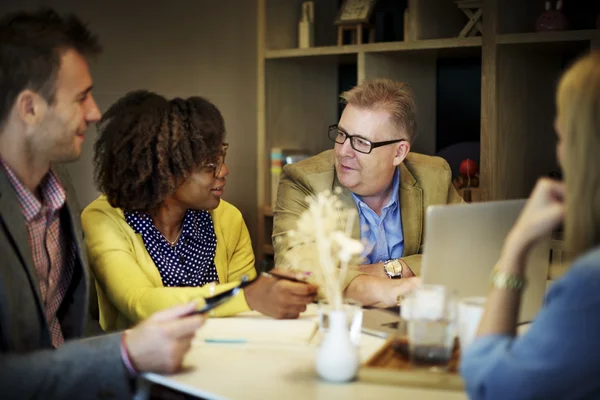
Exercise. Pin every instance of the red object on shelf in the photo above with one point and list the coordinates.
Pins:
(468, 168)
(552, 20)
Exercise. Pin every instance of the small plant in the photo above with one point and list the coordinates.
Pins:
(322, 244)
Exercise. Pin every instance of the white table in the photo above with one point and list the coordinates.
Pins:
(265, 371)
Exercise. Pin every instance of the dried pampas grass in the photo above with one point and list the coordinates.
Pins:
(322, 244)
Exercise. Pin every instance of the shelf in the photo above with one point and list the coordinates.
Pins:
(432, 44)
(549, 37)
(313, 51)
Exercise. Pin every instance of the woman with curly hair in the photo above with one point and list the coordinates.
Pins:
(160, 234)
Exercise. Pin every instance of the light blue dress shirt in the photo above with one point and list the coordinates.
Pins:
(558, 357)
(382, 233)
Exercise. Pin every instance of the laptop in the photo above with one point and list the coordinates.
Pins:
(463, 243)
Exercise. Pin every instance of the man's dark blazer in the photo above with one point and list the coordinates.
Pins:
(29, 367)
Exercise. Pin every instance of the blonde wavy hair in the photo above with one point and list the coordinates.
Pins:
(578, 101)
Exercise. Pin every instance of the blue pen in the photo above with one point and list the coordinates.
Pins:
(233, 340)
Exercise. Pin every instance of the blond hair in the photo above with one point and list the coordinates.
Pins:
(396, 98)
(578, 101)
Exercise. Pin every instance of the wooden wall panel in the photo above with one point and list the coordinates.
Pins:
(418, 69)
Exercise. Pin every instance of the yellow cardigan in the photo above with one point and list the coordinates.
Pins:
(130, 288)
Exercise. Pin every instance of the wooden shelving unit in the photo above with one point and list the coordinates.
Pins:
(584, 35)
(268, 250)
(419, 45)
(267, 211)
(298, 88)
(313, 52)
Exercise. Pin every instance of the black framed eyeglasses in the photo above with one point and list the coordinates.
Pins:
(358, 143)
(218, 165)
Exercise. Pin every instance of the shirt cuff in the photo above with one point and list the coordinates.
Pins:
(126, 358)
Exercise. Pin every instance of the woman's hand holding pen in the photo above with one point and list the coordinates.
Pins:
(281, 295)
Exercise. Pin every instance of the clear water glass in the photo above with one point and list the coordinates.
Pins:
(430, 312)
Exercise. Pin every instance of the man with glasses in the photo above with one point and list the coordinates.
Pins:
(389, 188)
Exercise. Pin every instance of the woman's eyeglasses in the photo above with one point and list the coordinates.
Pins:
(218, 165)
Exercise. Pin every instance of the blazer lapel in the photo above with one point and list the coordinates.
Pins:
(348, 203)
(411, 210)
(74, 214)
(14, 222)
(73, 322)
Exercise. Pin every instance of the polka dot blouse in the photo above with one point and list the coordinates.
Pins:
(191, 261)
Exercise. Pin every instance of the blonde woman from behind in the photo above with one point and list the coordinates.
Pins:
(559, 357)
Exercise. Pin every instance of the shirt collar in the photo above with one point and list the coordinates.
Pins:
(52, 191)
(394, 200)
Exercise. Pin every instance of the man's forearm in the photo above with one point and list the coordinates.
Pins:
(91, 366)
(502, 307)
(372, 269)
(365, 289)
(378, 270)
(379, 292)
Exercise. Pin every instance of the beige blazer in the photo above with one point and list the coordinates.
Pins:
(424, 181)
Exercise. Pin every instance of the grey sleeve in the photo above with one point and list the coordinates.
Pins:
(82, 369)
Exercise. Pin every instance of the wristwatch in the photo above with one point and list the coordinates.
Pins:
(393, 268)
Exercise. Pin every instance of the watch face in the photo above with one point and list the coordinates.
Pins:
(394, 267)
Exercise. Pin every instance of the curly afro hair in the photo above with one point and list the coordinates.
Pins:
(148, 145)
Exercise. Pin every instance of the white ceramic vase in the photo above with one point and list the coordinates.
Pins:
(337, 357)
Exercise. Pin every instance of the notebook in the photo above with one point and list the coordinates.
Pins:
(257, 329)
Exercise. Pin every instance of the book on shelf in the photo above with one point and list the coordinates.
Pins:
(279, 158)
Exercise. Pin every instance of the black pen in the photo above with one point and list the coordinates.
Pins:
(219, 299)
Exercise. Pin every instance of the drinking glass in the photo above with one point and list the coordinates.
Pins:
(470, 311)
(430, 312)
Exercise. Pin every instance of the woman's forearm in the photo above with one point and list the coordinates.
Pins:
(502, 307)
